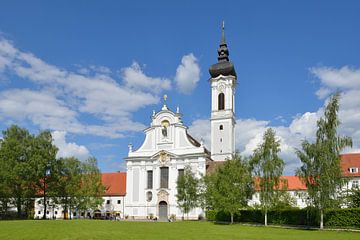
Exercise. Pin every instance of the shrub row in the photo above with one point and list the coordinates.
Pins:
(307, 217)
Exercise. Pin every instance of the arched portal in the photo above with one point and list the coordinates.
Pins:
(163, 211)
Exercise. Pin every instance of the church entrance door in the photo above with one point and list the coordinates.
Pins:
(163, 211)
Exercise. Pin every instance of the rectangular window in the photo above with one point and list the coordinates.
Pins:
(180, 173)
(119, 201)
(164, 177)
(353, 170)
(107, 201)
(150, 179)
(355, 184)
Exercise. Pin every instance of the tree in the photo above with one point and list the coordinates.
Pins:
(15, 154)
(229, 188)
(187, 186)
(320, 170)
(92, 189)
(43, 163)
(353, 198)
(267, 167)
(68, 178)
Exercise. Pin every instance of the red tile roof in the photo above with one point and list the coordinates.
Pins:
(350, 160)
(115, 183)
(290, 183)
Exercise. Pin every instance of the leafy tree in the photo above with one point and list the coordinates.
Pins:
(43, 163)
(68, 178)
(92, 189)
(267, 167)
(15, 154)
(229, 188)
(354, 198)
(283, 200)
(187, 191)
(320, 169)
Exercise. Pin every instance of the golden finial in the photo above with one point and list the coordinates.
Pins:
(165, 97)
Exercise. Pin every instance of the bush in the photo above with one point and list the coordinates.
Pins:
(347, 217)
(210, 215)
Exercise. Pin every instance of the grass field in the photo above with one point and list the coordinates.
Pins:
(98, 229)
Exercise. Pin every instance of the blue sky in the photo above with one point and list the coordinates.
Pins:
(93, 71)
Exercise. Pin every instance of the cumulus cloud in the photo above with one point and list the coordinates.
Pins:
(187, 74)
(134, 77)
(62, 96)
(67, 149)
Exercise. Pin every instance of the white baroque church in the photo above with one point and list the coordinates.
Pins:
(153, 169)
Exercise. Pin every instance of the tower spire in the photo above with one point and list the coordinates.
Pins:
(223, 66)
(223, 42)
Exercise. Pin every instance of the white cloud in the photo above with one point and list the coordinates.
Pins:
(134, 77)
(187, 74)
(62, 96)
(68, 149)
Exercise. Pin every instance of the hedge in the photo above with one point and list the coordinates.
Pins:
(306, 217)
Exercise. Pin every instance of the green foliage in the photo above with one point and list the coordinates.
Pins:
(320, 169)
(187, 186)
(29, 169)
(229, 188)
(268, 167)
(347, 217)
(343, 218)
(16, 168)
(92, 189)
(353, 198)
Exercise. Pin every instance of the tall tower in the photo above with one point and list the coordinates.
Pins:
(223, 83)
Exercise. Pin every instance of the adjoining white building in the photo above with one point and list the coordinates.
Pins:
(112, 207)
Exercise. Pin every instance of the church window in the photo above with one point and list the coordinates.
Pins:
(150, 179)
(55, 212)
(221, 127)
(180, 173)
(107, 201)
(118, 201)
(220, 139)
(39, 212)
(164, 177)
(221, 101)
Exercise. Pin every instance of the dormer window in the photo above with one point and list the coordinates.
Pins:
(353, 170)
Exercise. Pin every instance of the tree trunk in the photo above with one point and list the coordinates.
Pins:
(266, 222)
(18, 206)
(321, 219)
(232, 218)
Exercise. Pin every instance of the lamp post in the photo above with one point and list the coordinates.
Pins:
(46, 174)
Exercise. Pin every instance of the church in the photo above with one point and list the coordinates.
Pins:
(153, 169)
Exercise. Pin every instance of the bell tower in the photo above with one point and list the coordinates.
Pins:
(223, 83)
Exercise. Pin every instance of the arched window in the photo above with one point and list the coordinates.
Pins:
(221, 127)
(221, 101)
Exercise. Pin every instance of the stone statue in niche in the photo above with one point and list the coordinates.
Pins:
(164, 128)
(164, 131)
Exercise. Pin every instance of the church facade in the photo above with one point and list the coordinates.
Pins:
(153, 169)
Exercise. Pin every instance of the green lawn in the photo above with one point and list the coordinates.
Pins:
(98, 229)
